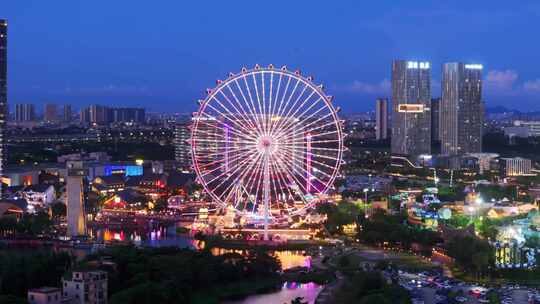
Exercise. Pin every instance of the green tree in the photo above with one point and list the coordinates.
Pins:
(9, 299)
(58, 209)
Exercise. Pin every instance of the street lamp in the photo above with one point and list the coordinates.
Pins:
(471, 211)
(479, 200)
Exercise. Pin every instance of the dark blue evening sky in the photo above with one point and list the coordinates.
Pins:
(163, 54)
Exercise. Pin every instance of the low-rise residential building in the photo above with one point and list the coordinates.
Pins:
(86, 287)
(45, 295)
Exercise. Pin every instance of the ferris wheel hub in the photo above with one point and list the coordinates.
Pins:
(266, 144)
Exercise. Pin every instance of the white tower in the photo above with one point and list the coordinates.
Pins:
(76, 220)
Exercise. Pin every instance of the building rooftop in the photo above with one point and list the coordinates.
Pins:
(37, 188)
(45, 290)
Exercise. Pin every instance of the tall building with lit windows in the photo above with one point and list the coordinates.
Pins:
(182, 148)
(411, 116)
(25, 112)
(461, 109)
(3, 92)
(381, 118)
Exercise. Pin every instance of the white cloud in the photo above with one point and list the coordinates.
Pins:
(357, 86)
(498, 81)
(532, 85)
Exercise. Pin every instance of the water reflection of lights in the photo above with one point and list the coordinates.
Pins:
(295, 285)
(288, 258)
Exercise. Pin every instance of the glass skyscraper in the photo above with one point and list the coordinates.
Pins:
(3, 92)
(461, 109)
(411, 98)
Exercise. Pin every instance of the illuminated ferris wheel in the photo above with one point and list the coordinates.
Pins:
(267, 142)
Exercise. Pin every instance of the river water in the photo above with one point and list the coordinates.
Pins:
(161, 237)
(289, 291)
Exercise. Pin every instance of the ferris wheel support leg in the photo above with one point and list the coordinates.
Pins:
(266, 194)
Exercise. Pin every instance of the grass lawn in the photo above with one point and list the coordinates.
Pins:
(404, 261)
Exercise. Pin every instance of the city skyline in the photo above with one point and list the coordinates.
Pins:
(181, 50)
(176, 152)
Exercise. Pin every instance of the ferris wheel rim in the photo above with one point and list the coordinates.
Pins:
(308, 83)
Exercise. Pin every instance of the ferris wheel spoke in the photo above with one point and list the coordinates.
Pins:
(301, 122)
(277, 114)
(315, 148)
(306, 176)
(297, 150)
(241, 112)
(214, 137)
(317, 162)
(234, 183)
(246, 114)
(244, 171)
(269, 112)
(290, 106)
(275, 100)
(273, 183)
(295, 113)
(215, 178)
(221, 150)
(291, 172)
(219, 102)
(218, 163)
(288, 102)
(282, 180)
(221, 114)
(264, 110)
(317, 135)
(305, 126)
(294, 106)
(245, 160)
(260, 112)
(254, 108)
(322, 126)
(256, 175)
(291, 153)
(249, 104)
(246, 135)
(239, 166)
